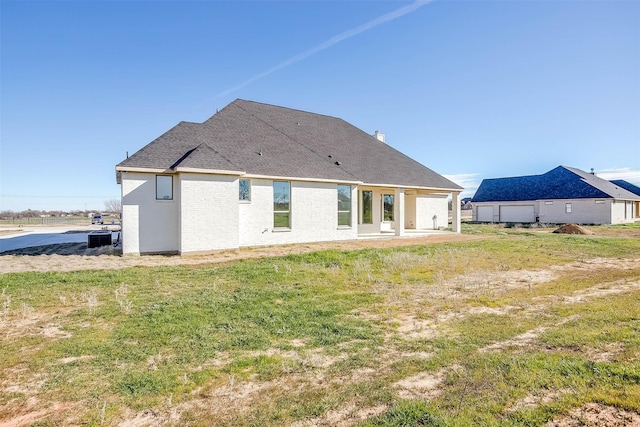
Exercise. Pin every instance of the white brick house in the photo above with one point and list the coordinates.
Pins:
(257, 174)
(562, 195)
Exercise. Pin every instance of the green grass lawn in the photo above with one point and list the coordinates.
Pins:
(460, 334)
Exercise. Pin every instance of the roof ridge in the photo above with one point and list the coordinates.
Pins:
(206, 144)
(321, 157)
(184, 156)
(285, 108)
(191, 151)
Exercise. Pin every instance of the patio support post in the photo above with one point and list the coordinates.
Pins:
(455, 212)
(398, 211)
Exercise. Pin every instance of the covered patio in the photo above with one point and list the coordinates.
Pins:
(396, 211)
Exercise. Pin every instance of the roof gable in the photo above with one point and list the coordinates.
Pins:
(267, 140)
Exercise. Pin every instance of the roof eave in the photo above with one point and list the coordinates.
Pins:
(416, 187)
(292, 178)
(142, 169)
(209, 171)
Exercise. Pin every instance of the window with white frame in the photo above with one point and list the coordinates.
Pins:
(567, 208)
(344, 205)
(164, 187)
(367, 207)
(244, 190)
(387, 207)
(281, 204)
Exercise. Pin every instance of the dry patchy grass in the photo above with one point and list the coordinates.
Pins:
(508, 330)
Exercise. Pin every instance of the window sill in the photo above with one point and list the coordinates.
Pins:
(281, 230)
(344, 227)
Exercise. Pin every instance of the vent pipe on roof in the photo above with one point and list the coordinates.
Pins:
(379, 136)
(592, 172)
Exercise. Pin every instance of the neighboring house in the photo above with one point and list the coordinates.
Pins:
(466, 204)
(257, 174)
(562, 195)
(632, 188)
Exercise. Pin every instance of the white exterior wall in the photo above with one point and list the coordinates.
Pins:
(314, 215)
(428, 206)
(583, 211)
(129, 229)
(622, 212)
(148, 225)
(209, 213)
(206, 214)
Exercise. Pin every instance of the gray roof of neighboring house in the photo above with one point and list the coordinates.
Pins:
(562, 182)
(268, 140)
(627, 186)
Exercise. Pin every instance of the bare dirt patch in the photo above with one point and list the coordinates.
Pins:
(35, 415)
(149, 418)
(34, 259)
(524, 339)
(597, 415)
(72, 359)
(600, 291)
(600, 263)
(345, 416)
(425, 385)
(608, 354)
(532, 401)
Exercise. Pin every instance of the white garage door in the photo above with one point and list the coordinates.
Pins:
(517, 213)
(485, 214)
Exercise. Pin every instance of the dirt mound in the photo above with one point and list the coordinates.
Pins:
(572, 229)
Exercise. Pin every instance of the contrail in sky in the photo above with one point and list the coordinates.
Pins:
(332, 41)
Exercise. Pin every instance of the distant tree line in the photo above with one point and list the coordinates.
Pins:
(112, 206)
(36, 213)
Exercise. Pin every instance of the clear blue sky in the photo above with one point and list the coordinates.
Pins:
(471, 89)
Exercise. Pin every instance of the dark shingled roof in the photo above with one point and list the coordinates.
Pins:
(560, 183)
(262, 139)
(627, 186)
